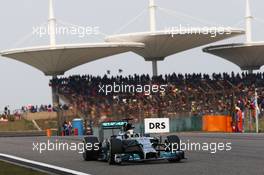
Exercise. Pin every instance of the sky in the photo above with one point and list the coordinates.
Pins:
(21, 84)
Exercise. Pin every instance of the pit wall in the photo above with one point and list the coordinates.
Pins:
(40, 115)
(47, 115)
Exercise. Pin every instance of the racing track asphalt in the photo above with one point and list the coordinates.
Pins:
(246, 157)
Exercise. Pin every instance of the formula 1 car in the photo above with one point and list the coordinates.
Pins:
(128, 146)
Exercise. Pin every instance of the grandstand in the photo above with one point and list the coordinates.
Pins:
(185, 95)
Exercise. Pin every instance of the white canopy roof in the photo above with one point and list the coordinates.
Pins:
(61, 58)
(160, 44)
(248, 56)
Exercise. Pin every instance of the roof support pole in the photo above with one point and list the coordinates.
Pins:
(56, 104)
(54, 91)
(152, 23)
(52, 36)
(248, 22)
(155, 67)
(52, 24)
(152, 15)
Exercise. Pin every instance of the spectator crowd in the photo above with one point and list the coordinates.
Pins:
(185, 94)
(42, 108)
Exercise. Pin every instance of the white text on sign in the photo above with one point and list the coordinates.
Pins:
(157, 125)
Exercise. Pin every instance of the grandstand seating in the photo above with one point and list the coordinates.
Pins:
(189, 94)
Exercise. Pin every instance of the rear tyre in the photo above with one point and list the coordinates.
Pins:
(91, 154)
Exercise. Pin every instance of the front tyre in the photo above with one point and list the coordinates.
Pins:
(174, 142)
(115, 147)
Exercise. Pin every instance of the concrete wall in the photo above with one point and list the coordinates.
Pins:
(67, 115)
(40, 115)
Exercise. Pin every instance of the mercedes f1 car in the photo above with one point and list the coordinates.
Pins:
(127, 146)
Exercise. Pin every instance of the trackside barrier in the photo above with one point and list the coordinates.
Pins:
(217, 123)
(197, 123)
(194, 123)
(180, 124)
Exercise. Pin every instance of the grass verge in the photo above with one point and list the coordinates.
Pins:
(10, 169)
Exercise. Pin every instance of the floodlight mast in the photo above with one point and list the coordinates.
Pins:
(152, 22)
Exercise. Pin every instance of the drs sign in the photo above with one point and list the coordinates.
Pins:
(157, 125)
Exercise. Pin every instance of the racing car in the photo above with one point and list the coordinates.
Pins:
(127, 146)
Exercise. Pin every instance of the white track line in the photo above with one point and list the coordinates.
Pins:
(43, 164)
